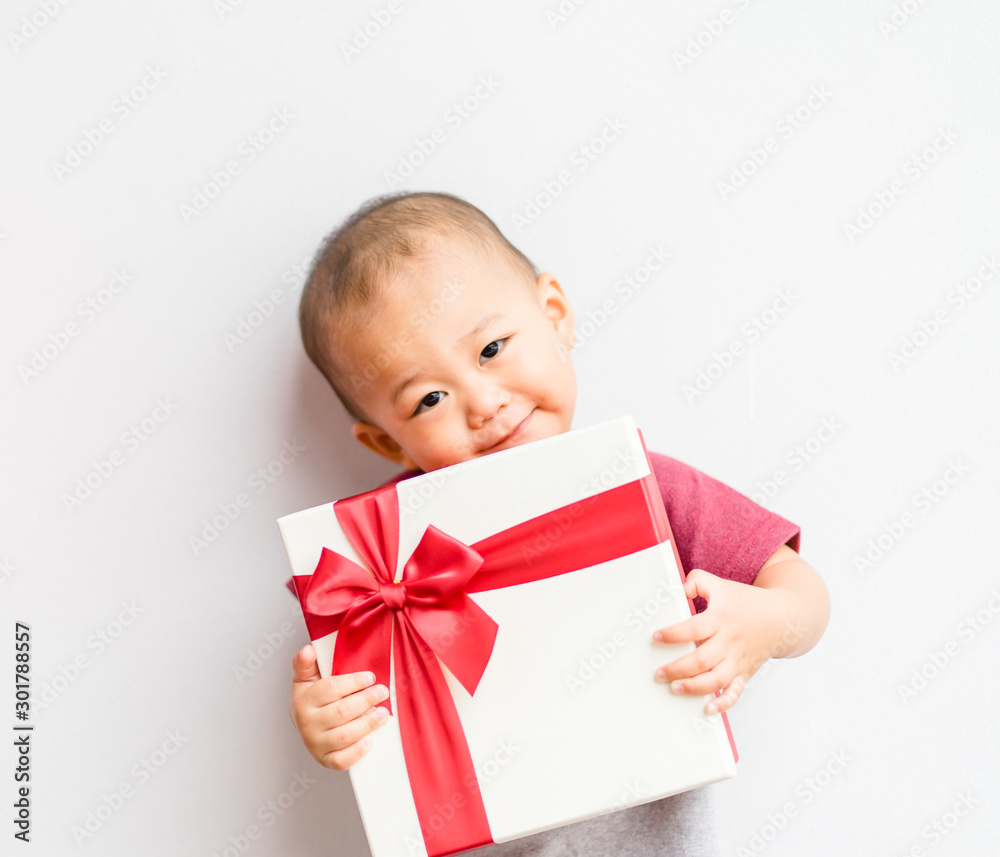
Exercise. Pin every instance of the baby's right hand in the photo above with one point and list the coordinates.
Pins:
(335, 716)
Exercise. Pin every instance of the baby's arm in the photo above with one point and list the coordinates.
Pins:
(782, 615)
(335, 715)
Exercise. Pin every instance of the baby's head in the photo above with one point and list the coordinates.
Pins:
(439, 336)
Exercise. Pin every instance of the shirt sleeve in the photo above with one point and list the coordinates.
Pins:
(716, 527)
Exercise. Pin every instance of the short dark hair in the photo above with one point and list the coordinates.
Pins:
(357, 259)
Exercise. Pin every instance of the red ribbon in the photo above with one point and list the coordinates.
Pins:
(429, 615)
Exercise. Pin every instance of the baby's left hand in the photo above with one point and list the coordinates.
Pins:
(735, 633)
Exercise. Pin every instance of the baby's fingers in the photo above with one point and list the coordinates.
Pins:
(343, 746)
(327, 703)
(704, 658)
(337, 687)
(694, 629)
(305, 667)
(698, 685)
(341, 760)
(332, 710)
(728, 697)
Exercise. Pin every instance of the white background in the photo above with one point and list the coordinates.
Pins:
(185, 665)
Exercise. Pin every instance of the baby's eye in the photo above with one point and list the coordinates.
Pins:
(491, 350)
(429, 401)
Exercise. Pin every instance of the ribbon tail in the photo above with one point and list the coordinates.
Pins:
(461, 633)
(363, 642)
(438, 761)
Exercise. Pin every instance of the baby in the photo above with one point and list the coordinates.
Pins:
(444, 343)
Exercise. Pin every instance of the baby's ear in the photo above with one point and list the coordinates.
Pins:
(557, 307)
(379, 441)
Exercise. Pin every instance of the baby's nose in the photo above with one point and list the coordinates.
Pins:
(485, 403)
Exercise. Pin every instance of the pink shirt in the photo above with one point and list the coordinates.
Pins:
(715, 527)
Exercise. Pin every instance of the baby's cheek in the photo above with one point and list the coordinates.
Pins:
(546, 355)
(557, 394)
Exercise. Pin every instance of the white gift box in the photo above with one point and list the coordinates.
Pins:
(567, 721)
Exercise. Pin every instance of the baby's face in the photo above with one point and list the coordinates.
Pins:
(461, 359)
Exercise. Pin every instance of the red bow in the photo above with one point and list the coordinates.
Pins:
(432, 595)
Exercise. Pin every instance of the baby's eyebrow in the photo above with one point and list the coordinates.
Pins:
(483, 323)
(401, 387)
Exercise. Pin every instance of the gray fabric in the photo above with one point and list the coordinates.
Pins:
(683, 825)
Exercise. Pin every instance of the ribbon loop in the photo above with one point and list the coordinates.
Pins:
(440, 567)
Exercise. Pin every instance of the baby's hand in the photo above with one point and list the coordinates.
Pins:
(335, 716)
(736, 631)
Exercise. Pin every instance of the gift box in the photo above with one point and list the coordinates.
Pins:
(509, 602)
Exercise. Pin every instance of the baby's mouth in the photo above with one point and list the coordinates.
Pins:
(511, 438)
